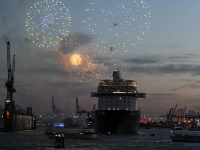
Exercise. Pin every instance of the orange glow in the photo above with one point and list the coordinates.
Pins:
(89, 66)
(79, 62)
(144, 121)
(7, 114)
(62, 60)
(75, 59)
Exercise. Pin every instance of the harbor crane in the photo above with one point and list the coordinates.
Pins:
(53, 104)
(181, 114)
(79, 110)
(9, 103)
(175, 115)
(54, 108)
(171, 114)
(88, 121)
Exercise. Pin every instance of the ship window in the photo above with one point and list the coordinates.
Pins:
(128, 98)
(128, 101)
(107, 101)
(120, 101)
(111, 105)
(111, 98)
(124, 97)
(119, 105)
(111, 101)
(128, 105)
(124, 101)
(115, 105)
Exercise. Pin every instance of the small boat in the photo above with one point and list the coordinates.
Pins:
(108, 134)
(185, 138)
(59, 142)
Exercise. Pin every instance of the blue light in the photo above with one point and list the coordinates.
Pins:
(59, 125)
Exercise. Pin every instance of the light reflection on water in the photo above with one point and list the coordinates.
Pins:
(36, 140)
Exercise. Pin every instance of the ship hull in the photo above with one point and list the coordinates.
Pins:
(116, 121)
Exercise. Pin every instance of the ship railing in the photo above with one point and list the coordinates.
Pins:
(116, 90)
(137, 95)
(128, 109)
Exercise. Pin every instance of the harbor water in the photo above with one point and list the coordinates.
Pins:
(37, 140)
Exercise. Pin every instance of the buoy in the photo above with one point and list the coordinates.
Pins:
(108, 133)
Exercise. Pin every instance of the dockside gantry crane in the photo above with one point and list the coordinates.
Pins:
(79, 110)
(171, 114)
(9, 103)
(53, 104)
(175, 115)
(55, 110)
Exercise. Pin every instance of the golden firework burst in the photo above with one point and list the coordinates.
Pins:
(75, 59)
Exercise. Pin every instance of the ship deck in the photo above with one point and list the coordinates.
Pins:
(136, 95)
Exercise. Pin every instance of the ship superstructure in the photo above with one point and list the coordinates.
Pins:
(117, 105)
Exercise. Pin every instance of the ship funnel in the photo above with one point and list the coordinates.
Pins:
(117, 76)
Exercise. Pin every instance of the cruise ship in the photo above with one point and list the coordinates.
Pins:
(117, 105)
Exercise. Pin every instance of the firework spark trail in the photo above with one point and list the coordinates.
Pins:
(62, 60)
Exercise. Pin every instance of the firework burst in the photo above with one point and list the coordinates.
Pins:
(122, 25)
(47, 22)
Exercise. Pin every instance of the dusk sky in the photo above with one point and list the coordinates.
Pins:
(153, 42)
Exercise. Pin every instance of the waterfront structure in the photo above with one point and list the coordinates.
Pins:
(117, 105)
(13, 120)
